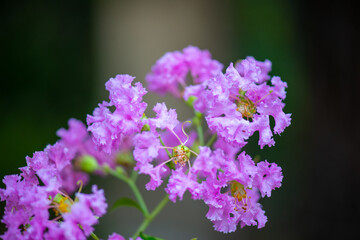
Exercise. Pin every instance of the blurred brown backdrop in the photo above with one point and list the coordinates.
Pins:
(57, 55)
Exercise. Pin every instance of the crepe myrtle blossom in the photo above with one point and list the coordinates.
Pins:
(78, 140)
(210, 164)
(25, 202)
(170, 71)
(231, 188)
(54, 168)
(206, 163)
(147, 146)
(62, 165)
(108, 127)
(34, 211)
(237, 104)
(171, 139)
(83, 214)
(44, 184)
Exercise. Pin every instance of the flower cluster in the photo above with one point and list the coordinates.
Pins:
(121, 140)
(38, 205)
(235, 104)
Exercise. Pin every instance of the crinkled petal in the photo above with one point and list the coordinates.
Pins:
(268, 177)
(164, 118)
(179, 182)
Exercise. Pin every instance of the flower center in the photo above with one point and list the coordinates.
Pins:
(244, 105)
(238, 191)
(62, 204)
(181, 155)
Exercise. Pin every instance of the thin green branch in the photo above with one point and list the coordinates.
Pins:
(197, 121)
(93, 235)
(134, 176)
(133, 187)
(167, 151)
(211, 140)
(151, 217)
(139, 197)
(200, 133)
(171, 163)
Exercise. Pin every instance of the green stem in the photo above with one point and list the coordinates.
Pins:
(134, 176)
(197, 121)
(93, 235)
(200, 133)
(117, 174)
(139, 197)
(167, 151)
(211, 140)
(151, 217)
(171, 163)
(133, 187)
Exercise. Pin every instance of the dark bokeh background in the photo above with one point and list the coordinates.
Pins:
(51, 71)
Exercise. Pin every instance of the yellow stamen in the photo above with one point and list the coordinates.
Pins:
(245, 106)
(238, 191)
(181, 155)
(64, 206)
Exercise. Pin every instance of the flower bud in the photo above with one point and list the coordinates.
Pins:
(88, 164)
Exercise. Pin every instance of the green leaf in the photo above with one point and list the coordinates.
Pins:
(128, 202)
(147, 237)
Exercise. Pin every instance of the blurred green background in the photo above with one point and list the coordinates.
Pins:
(57, 55)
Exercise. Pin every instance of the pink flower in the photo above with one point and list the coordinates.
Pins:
(53, 167)
(230, 188)
(147, 148)
(109, 128)
(169, 72)
(238, 105)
